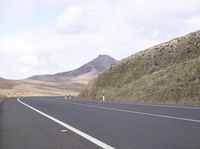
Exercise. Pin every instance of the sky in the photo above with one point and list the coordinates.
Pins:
(50, 36)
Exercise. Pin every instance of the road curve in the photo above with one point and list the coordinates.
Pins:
(117, 125)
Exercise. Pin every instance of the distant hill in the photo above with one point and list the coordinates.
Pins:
(99, 64)
(166, 73)
(32, 88)
(65, 83)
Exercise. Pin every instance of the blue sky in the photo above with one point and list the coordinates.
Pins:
(49, 36)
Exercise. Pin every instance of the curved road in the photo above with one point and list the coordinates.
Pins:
(53, 122)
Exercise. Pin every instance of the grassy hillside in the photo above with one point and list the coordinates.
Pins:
(168, 72)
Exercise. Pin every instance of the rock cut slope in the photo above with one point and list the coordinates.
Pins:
(168, 72)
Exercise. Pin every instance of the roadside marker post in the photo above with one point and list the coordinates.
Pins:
(103, 95)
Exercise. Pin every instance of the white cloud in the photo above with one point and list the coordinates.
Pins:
(69, 18)
(85, 29)
(29, 60)
(21, 8)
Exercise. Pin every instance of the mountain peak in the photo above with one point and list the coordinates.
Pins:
(99, 64)
(103, 55)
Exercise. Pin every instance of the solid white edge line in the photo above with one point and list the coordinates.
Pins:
(145, 104)
(135, 112)
(165, 106)
(84, 135)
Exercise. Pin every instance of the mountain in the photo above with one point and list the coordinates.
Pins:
(99, 64)
(65, 83)
(166, 73)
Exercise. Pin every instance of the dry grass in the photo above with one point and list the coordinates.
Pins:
(169, 72)
(71, 86)
(31, 88)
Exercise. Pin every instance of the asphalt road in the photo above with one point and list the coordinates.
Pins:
(55, 123)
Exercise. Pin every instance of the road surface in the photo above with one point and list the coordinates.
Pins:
(56, 123)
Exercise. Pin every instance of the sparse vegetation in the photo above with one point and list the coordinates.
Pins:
(32, 88)
(169, 73)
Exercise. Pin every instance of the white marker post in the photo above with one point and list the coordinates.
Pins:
(103, 96)
(8, 95)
